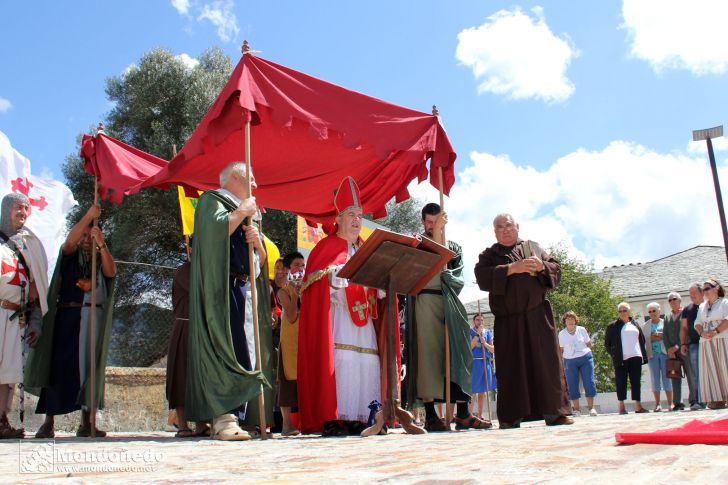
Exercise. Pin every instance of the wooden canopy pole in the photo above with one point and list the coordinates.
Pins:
(92, 314)
(251, 277)
(448, 408)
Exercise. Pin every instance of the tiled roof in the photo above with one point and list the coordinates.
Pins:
(675, 272)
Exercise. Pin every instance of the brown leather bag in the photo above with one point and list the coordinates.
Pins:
(674, 369)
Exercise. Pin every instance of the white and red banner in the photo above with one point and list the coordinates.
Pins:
(50, 200)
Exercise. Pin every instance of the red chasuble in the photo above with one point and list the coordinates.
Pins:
(316, 377)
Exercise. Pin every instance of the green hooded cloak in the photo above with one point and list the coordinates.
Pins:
(216, 382)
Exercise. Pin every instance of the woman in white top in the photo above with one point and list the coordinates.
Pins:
(626, 344)
(576, 351)
(712, 326)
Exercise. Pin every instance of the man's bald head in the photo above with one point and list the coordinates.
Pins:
(506, 229)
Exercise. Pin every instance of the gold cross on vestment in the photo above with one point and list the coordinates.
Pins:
(359, 307)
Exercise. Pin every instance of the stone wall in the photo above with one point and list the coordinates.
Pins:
(135, 401)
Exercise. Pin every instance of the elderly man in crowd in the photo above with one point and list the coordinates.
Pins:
(690, 345)
(517, 274)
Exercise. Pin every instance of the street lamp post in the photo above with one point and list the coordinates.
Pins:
(706, 135)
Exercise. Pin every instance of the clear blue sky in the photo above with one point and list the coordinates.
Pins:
(572, 94)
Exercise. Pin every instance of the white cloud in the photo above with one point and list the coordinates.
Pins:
(675, 34)
(517, 55)
(182, 6)
(189, 62)
(701, 148)
(128, 69)
(221, 15)
(624, 203)
(5, 105)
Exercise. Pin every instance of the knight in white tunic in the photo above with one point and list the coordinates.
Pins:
(23, 289)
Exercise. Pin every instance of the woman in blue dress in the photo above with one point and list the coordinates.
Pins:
(481, 340)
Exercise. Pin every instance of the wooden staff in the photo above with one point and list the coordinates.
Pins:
(253, 289)
(188, 249)
(448, 408)
(92, 318)
(485, 367)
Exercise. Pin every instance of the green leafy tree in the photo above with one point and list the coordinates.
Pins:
(405, 217)
(587, 294)
(157, 104)
(280, 227)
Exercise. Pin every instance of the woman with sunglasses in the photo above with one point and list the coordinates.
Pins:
(625, 342)
(653, 329)
(712, 326)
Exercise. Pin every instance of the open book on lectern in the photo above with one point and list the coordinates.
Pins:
(385, 257)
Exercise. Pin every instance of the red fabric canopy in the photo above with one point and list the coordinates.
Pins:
(692, 433)
(307, 135)
(120, 168)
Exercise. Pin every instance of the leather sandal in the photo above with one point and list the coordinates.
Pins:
(436, 424)
(560, 421)
(45, 432)
(85, 432)
(509, 425)
(7, 432)
(288, 432)
(185, 433)
(472, 422)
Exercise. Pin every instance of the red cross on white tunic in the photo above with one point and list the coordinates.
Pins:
(11, 266)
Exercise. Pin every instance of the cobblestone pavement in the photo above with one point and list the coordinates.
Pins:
(583, 453)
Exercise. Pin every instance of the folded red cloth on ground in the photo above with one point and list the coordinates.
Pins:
(692, 433)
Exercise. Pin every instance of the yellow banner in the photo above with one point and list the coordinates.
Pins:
(187, 206)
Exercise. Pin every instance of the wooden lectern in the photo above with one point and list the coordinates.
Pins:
(396, 264)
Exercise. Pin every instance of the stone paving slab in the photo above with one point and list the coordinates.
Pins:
(583, 453)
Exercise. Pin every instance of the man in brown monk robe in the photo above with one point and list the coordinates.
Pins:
(517, 274)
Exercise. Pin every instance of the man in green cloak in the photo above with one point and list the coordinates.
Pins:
(58, 366)
(220, 376)
(434, 307)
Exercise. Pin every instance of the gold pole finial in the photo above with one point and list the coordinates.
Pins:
(246, 47)
(435, 111)
(100, 129)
